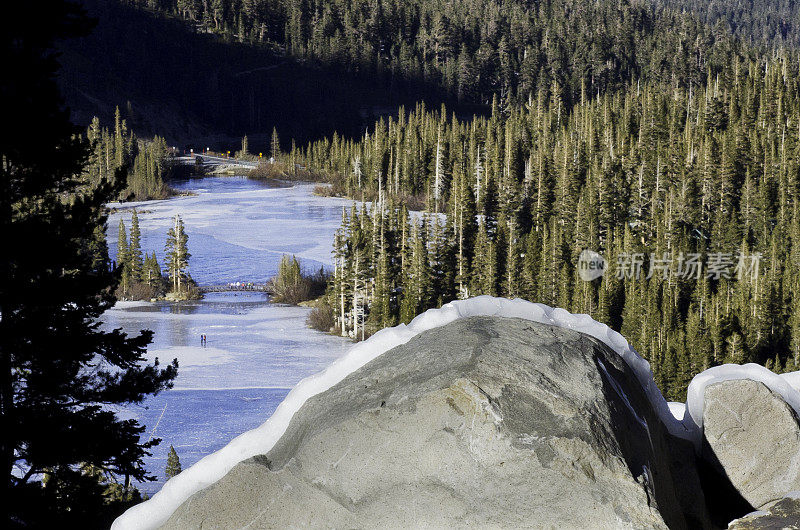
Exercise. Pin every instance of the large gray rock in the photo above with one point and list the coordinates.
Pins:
(485, 422)
(783, 514)
(752, 437)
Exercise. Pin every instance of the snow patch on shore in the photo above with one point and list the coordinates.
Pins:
(127, 304)
(684, 421)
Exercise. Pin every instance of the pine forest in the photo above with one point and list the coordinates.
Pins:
(690, 195)
(144, 163)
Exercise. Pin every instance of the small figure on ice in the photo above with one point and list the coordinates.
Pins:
(203, 339)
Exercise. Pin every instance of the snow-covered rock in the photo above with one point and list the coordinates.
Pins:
(157, 510)
(485, 422)
(785, 385)
(752, 437)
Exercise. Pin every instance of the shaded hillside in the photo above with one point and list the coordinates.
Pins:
(188, 86)
(230, 68)
(475, 50)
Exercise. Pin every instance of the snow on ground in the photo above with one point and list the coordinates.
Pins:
(677, 409)
(256, 351)
(239, 228)
(250, 342)
(192, 355)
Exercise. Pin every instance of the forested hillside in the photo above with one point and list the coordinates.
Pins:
(192, 87)
(691, 195)
(662, 135)
(225, 68)
(475, 49)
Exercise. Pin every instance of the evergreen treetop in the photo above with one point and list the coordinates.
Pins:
(173, 463)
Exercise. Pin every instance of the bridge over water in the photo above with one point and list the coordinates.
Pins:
(212, 161)
(237, 286)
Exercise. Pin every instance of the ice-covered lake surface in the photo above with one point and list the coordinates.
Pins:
(256, 351)
(238, 228)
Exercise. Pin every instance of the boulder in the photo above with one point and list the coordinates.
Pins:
(752, 437)
(784, 513)
(484, 422)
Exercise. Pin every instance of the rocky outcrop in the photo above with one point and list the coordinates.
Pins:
(752, 437)
(782, 514)
(483, 422)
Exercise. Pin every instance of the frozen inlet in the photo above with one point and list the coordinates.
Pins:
(157, 510)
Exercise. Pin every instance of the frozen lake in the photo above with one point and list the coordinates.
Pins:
(256, 351)
(238, 228)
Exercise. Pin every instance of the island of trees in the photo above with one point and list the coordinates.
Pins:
(146, 163)
(141, 275)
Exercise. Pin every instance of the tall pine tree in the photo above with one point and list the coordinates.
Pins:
(177, 255)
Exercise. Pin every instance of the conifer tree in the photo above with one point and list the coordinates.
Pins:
(123, 254)
(177, 254)
(382, 301)
(119, 139)
(135, 249)
(152, 273)
(275, 145)
(484, 268)
(417, 280)
(123, 257)
(339, 287)
(173, 463)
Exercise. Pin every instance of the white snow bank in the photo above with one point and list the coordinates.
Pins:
(125, 304)
(155, 511)
(793, 378)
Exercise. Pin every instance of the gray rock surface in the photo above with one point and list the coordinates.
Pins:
(752, 436)
(783, 514)
(485, 422)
